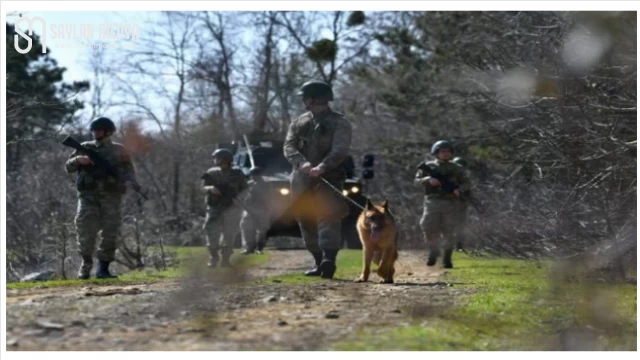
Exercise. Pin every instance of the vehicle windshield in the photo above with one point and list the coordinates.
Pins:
(271, 160)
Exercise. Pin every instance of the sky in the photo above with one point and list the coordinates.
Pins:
(71, 54)
(76, 59)
(75, 54)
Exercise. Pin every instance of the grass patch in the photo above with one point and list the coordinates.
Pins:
(187, 256)
(514, 307)
(349, 266)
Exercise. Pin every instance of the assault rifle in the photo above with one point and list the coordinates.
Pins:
(101, 162)
(447, 186)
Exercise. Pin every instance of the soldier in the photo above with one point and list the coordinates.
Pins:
(460, 230)
(99, 198)
(221, 184)
(255, 218)
(441, 208)
(317, 144)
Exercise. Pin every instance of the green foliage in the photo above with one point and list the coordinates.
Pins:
(356, 18)
(349, 266)
(323, 50)
(187, 256)
(514, 307)
(37, 99)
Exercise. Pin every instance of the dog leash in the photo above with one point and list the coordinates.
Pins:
(341, 194)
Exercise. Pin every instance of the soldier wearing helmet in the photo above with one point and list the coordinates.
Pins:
(255, 217)
(441, 206)
(221, 185)
(317, 144)
(99, 198)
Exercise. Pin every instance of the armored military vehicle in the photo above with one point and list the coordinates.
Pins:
(269, 156)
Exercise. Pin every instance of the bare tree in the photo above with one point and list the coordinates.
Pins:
(162, 63)
(349, 39)
(217, 67)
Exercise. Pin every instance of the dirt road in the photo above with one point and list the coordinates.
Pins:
(237, 310)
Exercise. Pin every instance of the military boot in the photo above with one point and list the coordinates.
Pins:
(85, 268)
(260, 247)
(103, 271)
(317, 256)
(328, 264)
(434, 252)
(213, 261)
(447, 259)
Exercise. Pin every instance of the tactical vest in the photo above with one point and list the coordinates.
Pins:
(445, 169)
(95, 178)
(316, 138)
(228, 182)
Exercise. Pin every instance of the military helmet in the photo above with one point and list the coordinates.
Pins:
(223, 154)
(439, 145)
(102, 123)
(256, 170)
(316, 89)
(460, 161)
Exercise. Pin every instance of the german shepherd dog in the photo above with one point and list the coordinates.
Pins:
(379, 236)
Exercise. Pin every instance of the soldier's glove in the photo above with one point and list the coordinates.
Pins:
(305, 168)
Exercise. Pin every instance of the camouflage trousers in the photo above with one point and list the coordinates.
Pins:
(252, 225)
(98, 213)
(220, 226)
(440, 217)
(322, 211)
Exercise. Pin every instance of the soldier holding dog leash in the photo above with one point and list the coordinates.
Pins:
(317, 144)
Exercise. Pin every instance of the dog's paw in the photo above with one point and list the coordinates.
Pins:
(360, 280)
(385, 281)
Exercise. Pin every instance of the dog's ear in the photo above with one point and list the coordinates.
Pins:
(368, 205)
(385, 205)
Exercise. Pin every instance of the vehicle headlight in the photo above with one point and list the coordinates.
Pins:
(355, 189)
(345, 192)
(284, 191)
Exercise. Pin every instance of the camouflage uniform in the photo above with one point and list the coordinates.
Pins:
(441, 211)
(323, 140)
(258, 220)
(221, 223)
(99, 199)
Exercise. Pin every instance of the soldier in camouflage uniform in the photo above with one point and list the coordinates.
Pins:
(441, 209)
(255, 218)
(461, 229)
(317, 144)
(99, 198)
(222, 184)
